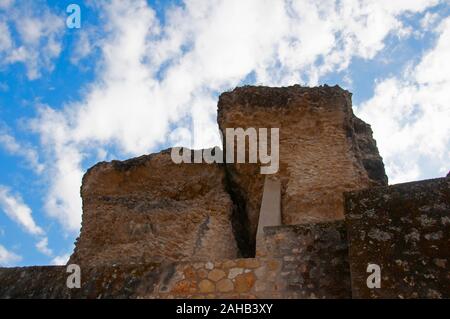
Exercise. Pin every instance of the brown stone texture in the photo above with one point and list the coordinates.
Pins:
(149, 209)
(324, 151)
(405, 229)
(263, 277)
(225, 285)
(315, 258)
(124, 281)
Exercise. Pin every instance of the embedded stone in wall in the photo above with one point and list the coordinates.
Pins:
(150, 209)
(270, 213)
(324, 150)
(315, 258)
(405, 230)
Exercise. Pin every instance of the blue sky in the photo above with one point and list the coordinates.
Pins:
(140, 76)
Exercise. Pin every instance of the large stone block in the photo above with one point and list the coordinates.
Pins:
(150, 209)
(324, 150)
(315, 258)
(405, 230)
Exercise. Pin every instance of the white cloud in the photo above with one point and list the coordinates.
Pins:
(39, 36)
(8, 258)
(101, 117)
(13, 147)
(18, 211)
(5, 3)
(429, 20)
(410, 115)
(85, 45)
(158, 82)
(63, 200)
(14, 207)
(42, 246)
(60, 260)
(5, 37)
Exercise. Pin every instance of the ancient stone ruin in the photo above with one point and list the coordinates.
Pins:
(156, 229)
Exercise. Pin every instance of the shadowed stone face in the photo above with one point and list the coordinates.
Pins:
(315, 258)
(405, 230)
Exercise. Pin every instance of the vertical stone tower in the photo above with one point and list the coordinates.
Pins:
(325, 150)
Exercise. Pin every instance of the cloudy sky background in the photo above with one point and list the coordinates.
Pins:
(140, 76)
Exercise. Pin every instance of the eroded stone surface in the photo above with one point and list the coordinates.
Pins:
(324, 150)
(405, 229)
(166, 280)
(125, 281)
(149, 209)
(315, 258)
(311, 267)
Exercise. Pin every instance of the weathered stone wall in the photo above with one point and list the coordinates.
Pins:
(239, 278)
(305, 261)
(149, 209)
(120, 281)
(405, 229)
(315, 258)
(324, 150)
(300, 261)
